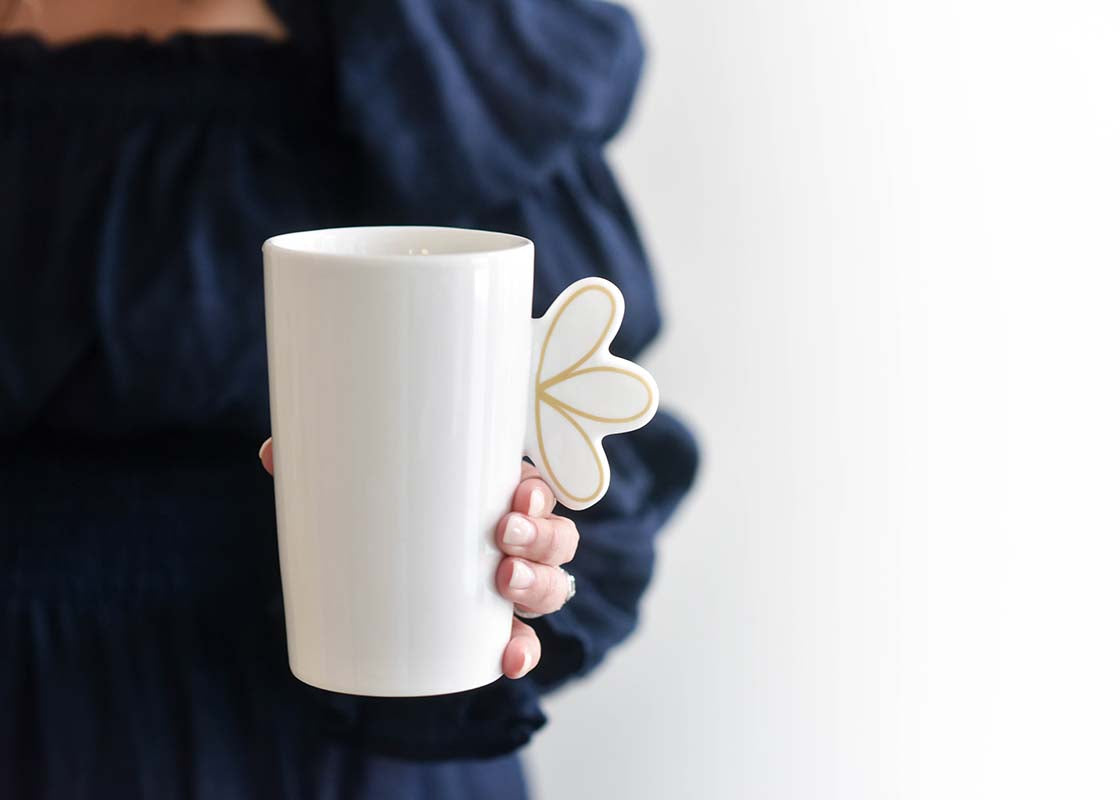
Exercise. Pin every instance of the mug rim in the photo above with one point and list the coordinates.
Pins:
(476, 243)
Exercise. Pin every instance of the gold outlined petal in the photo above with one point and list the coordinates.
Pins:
(558, 484)
(599, 401)
(600, 339)
(593, 413)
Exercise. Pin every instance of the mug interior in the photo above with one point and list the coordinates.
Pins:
(397, 241)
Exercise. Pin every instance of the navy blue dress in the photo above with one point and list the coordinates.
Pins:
(142, 644)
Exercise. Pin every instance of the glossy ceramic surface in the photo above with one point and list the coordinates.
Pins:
(406, 381)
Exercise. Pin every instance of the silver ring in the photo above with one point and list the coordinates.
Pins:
(571, 594)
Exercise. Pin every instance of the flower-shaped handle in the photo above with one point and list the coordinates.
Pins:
(579, 392)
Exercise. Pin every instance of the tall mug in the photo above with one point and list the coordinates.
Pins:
(407, 380)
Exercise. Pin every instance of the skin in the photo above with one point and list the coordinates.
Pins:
(64, 21)
(550, 540)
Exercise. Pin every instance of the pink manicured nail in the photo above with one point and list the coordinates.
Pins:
(525, 665)
(519, 531)
(522, 576)
(536, 503)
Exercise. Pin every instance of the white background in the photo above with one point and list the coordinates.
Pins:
(888, 239)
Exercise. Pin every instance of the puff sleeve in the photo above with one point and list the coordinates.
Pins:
(472, 102)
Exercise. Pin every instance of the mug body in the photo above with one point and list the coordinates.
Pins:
(398, 361)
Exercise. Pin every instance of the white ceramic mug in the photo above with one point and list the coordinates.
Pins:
(406, 381)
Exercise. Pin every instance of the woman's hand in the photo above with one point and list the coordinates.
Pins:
(536, 542)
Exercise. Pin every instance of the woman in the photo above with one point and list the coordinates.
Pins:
(147, 149)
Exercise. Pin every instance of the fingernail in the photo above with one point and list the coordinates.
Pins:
(525, 665)
(536, 503)
(519, 531)
(522, 577)
(260, 453)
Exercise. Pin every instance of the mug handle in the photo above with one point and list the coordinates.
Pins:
(579, 392)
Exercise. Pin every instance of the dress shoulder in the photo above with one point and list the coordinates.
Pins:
(473, 101)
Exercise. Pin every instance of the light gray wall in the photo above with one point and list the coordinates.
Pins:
(887, 236)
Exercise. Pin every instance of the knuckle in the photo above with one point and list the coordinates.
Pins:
(565, 539)
(539, 597)
(557, 589)
(552, 547)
